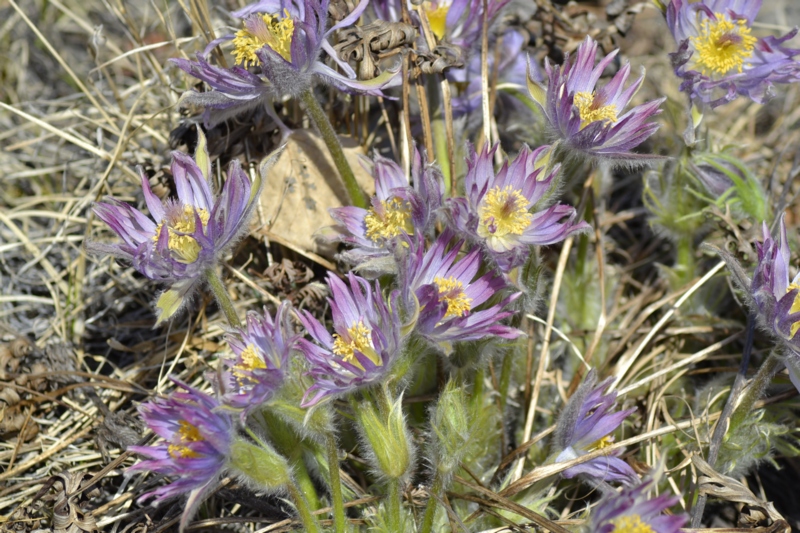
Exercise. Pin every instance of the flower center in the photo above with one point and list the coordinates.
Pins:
(591, 109)
(437, 17)
(185, 247)
(723, 45)
(391, 219)
(795, 307)
(186, 433)
(263, 30)
(503, 211)
(605, 442)
(360, 341)
(249, 361)
(451, 291)
(631, 524)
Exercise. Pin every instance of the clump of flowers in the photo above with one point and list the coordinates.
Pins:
(503, 210)
(585, 425)
(718, 56)
(631, 511)
(186, 238)
(366, 342)
(589, 120)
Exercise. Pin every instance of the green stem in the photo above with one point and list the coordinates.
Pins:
(505, 378)
(756, 389)
(393, 506)
(439, 131)
(339, 523)
(224, 301)
(317, 114)
(300, 502)
(430, 507)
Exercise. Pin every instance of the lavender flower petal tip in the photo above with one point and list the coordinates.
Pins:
(631, 510)
(262, 351)
(365, 344)
(585, 425)
(196, 441)
(186, 236)
(505, 210)
(590, 121)
(718, 56)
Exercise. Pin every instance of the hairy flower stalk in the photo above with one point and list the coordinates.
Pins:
(718, 56)
(184, 242)
(592, 121)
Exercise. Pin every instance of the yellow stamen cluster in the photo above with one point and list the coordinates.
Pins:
(605, 442)
(437, 17)
(504, 211)
(722, 45)
(360, 341)
(186, 433)
(265, 30)
(590, 109)
(395, 220)
(795, 307)
(451, 291)
(186, 248)
(250, 360)
(631, 524)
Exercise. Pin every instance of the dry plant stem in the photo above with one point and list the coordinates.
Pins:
(339, 523)
(317, 114)
(221, 295)
(440, 141)
(722, 424)
(300, 502)
(487, 117)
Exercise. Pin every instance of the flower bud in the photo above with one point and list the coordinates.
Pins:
(259, 464)
(450, 428)
(391, 451)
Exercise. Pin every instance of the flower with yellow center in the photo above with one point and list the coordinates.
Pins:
(360, 340)
(263, 30)
(451, 291)
(605, 442)
(437, 17)
(393, 221)
(722, 46)
(249, 361)
(504, 211)
(631, 524)
(592, 110)
(795, 307)
(185, 247)
(186, 433)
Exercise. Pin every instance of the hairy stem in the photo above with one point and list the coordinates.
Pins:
(339, 523)
(393, 506)
(221, 295)
(309, 522)
(317, 114)
(430, 507)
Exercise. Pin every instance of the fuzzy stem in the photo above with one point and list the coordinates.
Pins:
(300, 502)
(393, 505)
(221, 295)
(317, 114)
(753, 393)
(505, 378)
(439, 132)
(339, 522)
(430, 507)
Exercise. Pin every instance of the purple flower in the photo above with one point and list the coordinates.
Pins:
(276, 53)
(631, 510)
(262, 355)
(365, 344)
(449, 294)
(497, 209)
(397, 209)
(197, 438)
(719, 58)
(588, 120)
(585, 425)
(188, 235)
(460, 22)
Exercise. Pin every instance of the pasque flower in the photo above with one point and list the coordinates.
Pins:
(276, 53)
(262, 352)
(186, 236)
(197, 439)
(497, 210)
(365, 343)
(585, 425)
(718, 56)
(398, 208)
(631, 511)
(592, 121)
(449, 294)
